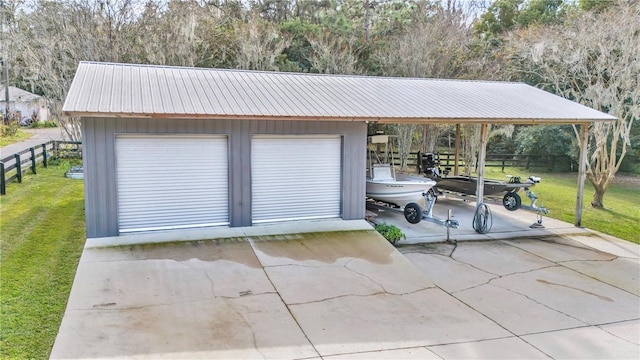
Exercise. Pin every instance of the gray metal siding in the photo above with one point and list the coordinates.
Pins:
(99, 161)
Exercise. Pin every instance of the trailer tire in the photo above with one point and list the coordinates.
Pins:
(511, 201)
(413, 213)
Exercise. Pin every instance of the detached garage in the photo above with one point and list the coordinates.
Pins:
(169, 148)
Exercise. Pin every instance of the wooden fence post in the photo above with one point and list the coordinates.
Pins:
(44, 155)
(3, 184)
(18, 168)
(33, 160)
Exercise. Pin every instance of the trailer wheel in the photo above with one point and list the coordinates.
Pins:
(511, 201)
(413, 213)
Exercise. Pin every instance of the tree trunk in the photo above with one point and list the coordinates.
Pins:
(600, 186)
(598, 198)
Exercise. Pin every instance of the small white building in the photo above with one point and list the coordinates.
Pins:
(25, 103)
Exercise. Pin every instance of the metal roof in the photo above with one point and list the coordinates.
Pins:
(126, 90)
(19, 95)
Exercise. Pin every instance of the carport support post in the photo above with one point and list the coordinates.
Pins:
(582, 172)
(484, 138)
(457, 151)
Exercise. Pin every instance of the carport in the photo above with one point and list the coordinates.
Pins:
(240, 115)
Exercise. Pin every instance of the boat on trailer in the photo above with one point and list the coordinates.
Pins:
(387, 190)
(384, 184)
(429, 164)
(468, 185)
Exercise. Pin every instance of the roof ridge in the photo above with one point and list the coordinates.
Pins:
(291, 73)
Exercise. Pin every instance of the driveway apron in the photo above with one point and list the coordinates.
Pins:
(351, 295)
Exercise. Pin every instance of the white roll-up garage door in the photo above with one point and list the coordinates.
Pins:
(171, 182)
(295, 177)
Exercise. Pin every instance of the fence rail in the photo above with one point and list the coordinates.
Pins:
(14, 166)
(558, 162)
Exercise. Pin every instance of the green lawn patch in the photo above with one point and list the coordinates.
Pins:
(10, 137)
(42, 233)
(558, 192)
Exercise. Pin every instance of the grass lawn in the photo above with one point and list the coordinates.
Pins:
(558, 192)
(8, 140)
(42, 234)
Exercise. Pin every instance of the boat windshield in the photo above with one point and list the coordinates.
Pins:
(380, 158)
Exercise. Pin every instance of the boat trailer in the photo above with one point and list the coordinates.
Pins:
(414, 213)
(512, 201)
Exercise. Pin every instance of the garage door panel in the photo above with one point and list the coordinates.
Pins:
(295, 177)
(167, 182)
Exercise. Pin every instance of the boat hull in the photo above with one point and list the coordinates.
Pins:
(468, 185)
(399, 192)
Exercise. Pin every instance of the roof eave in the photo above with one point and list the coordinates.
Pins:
(384, 120)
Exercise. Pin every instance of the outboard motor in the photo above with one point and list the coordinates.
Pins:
(428, 164)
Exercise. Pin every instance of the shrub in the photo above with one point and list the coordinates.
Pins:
(390, 232)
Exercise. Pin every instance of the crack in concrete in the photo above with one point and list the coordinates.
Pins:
(213, 286)
(507, 242)
(359, 295)
(337, 297)
(304, 265)
(470, 341)
(426, 347)
(599, 326)
(253, 333)
(422, 249)
(601, 297)
(488, 282)
(595, 278)
(542, 304)
(589, 260)
(284, 303)
(346, 266)
(455, 247)
(562, 264)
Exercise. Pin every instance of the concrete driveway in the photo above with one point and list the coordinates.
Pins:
(351, 295)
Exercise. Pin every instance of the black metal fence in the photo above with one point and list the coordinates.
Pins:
(14, 166)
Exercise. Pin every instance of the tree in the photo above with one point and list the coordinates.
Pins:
(591, 59)
(545, 142)
(260, 44)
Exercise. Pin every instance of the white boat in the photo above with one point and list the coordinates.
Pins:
(383, 184)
